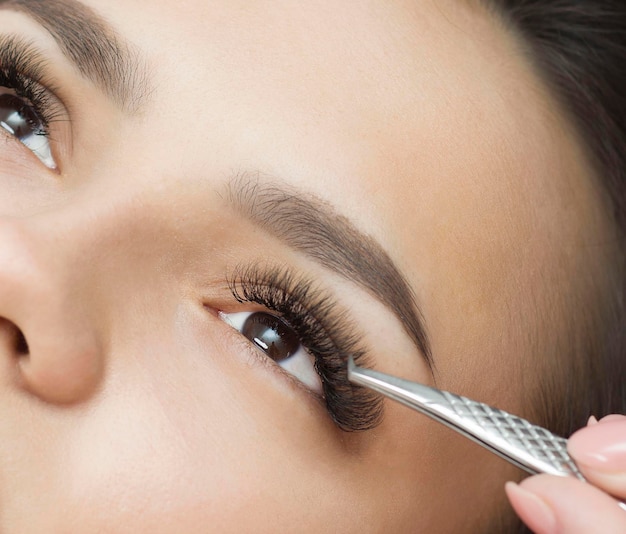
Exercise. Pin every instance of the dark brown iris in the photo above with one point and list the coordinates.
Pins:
(272, 335)
(18, 118)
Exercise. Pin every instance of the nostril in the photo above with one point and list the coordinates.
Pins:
(13, 339)
(21, 345)
(48, 366)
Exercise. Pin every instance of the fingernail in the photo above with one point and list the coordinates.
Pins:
(592, 420)
(533, 509)
(601, 447)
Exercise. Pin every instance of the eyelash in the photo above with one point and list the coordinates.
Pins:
(325, 333)
(22, 70)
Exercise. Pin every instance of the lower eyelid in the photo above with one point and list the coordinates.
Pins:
(296, 370)
(30, 153)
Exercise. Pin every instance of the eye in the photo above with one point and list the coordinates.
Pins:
(278, 341)
(22, 121)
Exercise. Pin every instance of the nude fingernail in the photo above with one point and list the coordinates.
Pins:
(592, 420)
(601, 447)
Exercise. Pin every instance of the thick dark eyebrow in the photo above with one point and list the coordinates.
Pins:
(92, 46)
(310, 226)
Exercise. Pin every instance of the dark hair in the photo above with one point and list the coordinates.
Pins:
(578, 49)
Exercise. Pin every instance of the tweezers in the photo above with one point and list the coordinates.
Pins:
(529, 447)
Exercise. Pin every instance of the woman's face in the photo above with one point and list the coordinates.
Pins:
(389, 177)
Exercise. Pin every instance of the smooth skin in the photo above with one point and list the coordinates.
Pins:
(137, 409)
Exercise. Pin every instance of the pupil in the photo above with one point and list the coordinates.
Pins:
(273, 335)
(18, 118)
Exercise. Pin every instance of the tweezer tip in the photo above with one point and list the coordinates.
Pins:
(351, 366)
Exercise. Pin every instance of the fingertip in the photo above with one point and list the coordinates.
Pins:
(576, 507)
(613, 418)
(532, 509)
(600, 452)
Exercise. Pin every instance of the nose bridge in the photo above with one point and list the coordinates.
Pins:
(20, 269)
(59, 357)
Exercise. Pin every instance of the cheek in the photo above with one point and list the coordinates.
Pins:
(187, 433)
(25, 187)
(430, 478)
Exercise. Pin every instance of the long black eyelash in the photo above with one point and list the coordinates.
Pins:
(22, 70)
(324, 331)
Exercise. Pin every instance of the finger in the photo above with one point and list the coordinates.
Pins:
(565, 505)
(606, 419)
(612, 417)
(600, 452)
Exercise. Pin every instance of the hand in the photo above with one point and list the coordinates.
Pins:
(550, 505)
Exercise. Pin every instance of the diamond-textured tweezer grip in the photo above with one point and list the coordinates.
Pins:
(536, 449)
(530, 447)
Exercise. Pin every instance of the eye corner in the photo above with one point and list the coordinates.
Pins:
(235, 320)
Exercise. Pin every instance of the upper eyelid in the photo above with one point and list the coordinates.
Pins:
(32, 62)
(41, 65)
(94, 49)
(292, 295)
(30, 58)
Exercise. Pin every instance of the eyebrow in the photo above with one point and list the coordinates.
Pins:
(306, 224)
(92, 45)
(310, 226)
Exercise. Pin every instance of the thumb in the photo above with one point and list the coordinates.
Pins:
(600, 452)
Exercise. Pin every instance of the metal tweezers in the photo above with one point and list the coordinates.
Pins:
(521, 443)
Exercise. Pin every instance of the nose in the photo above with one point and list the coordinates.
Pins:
(45, 327)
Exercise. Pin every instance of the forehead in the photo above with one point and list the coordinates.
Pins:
(360, 89)
(337, 56)
(422, 120)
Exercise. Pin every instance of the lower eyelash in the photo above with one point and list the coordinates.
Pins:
(326, 333)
